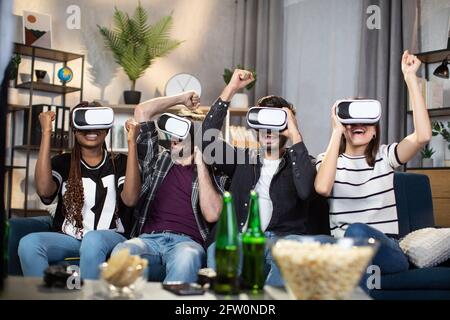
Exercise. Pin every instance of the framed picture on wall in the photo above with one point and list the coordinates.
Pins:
(37, 29)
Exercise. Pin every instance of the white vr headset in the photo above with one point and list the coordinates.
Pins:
(358, 111)
(174, 126)
(93, 118)
(267, 118)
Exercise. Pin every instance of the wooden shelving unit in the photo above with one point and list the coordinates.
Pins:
(427, 58)
(437, 112)
(36, 148)
(45, 53)
(33, 87)
(47, 87)
(439, 176)
(430, 57)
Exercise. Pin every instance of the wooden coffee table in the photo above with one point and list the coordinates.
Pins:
(22, 288)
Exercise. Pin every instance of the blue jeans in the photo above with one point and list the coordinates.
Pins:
(181, 256)
(272, 272)
(38, 250)
(390, 257)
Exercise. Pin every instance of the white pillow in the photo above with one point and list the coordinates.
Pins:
(427, 247)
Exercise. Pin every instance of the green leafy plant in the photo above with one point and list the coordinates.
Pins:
(439, 128)
(227, 74)
(427, 152)
(135, 44)
(13, 66)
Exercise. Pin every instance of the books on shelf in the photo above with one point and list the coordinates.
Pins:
(60, 130)
(433, 93)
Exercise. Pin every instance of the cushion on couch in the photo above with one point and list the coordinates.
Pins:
(427, 247)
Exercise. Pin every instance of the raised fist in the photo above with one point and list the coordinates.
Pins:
(46, 119)
(133, 129)
(240, 79)
(191, 100)
(410, 64)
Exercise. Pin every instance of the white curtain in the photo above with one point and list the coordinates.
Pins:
(321, 56)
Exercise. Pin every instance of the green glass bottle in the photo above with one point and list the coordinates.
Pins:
(253, 246)
(227, 250)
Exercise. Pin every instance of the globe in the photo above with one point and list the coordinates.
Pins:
(65, 74)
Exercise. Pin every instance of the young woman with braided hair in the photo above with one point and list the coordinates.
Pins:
(95, 190)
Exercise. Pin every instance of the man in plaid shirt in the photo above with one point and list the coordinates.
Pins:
(179, 199)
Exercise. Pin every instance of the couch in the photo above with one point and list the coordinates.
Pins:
(415, 211)
(20, 227)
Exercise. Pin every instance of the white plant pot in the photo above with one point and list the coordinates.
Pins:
(427, 163)
(240, 100)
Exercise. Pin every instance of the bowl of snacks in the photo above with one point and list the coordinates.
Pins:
(323, 271)
(123, 275)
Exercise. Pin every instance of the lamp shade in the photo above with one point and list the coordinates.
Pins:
(442, 70)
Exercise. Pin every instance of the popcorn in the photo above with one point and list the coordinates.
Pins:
(123, 269)
(321, 271)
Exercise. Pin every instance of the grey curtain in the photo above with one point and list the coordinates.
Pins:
(380, 76)
(259, 42)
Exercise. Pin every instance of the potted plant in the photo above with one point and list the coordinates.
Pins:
(135, 44)
(240, 99)
(440, 129)
(13, 67)
(427, 153)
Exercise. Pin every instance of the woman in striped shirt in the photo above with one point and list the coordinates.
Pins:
(357, 176)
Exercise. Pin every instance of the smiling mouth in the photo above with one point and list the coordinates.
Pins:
(91, 136)
(358, 131)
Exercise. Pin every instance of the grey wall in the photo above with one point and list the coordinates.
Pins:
(206, 26)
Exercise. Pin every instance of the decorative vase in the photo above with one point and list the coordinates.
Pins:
(25, 77)
(132, 97)
(446, 154)
(239, 100)
(427, 163)
(40, 75)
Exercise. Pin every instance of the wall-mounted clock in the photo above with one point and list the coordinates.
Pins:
(182, 82)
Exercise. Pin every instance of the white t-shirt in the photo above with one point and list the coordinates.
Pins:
(262, 187)
(364, 194)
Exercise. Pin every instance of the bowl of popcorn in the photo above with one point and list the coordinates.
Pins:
(123, 275)
(328, 271)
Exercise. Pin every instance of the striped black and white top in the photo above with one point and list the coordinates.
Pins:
(364, 194)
